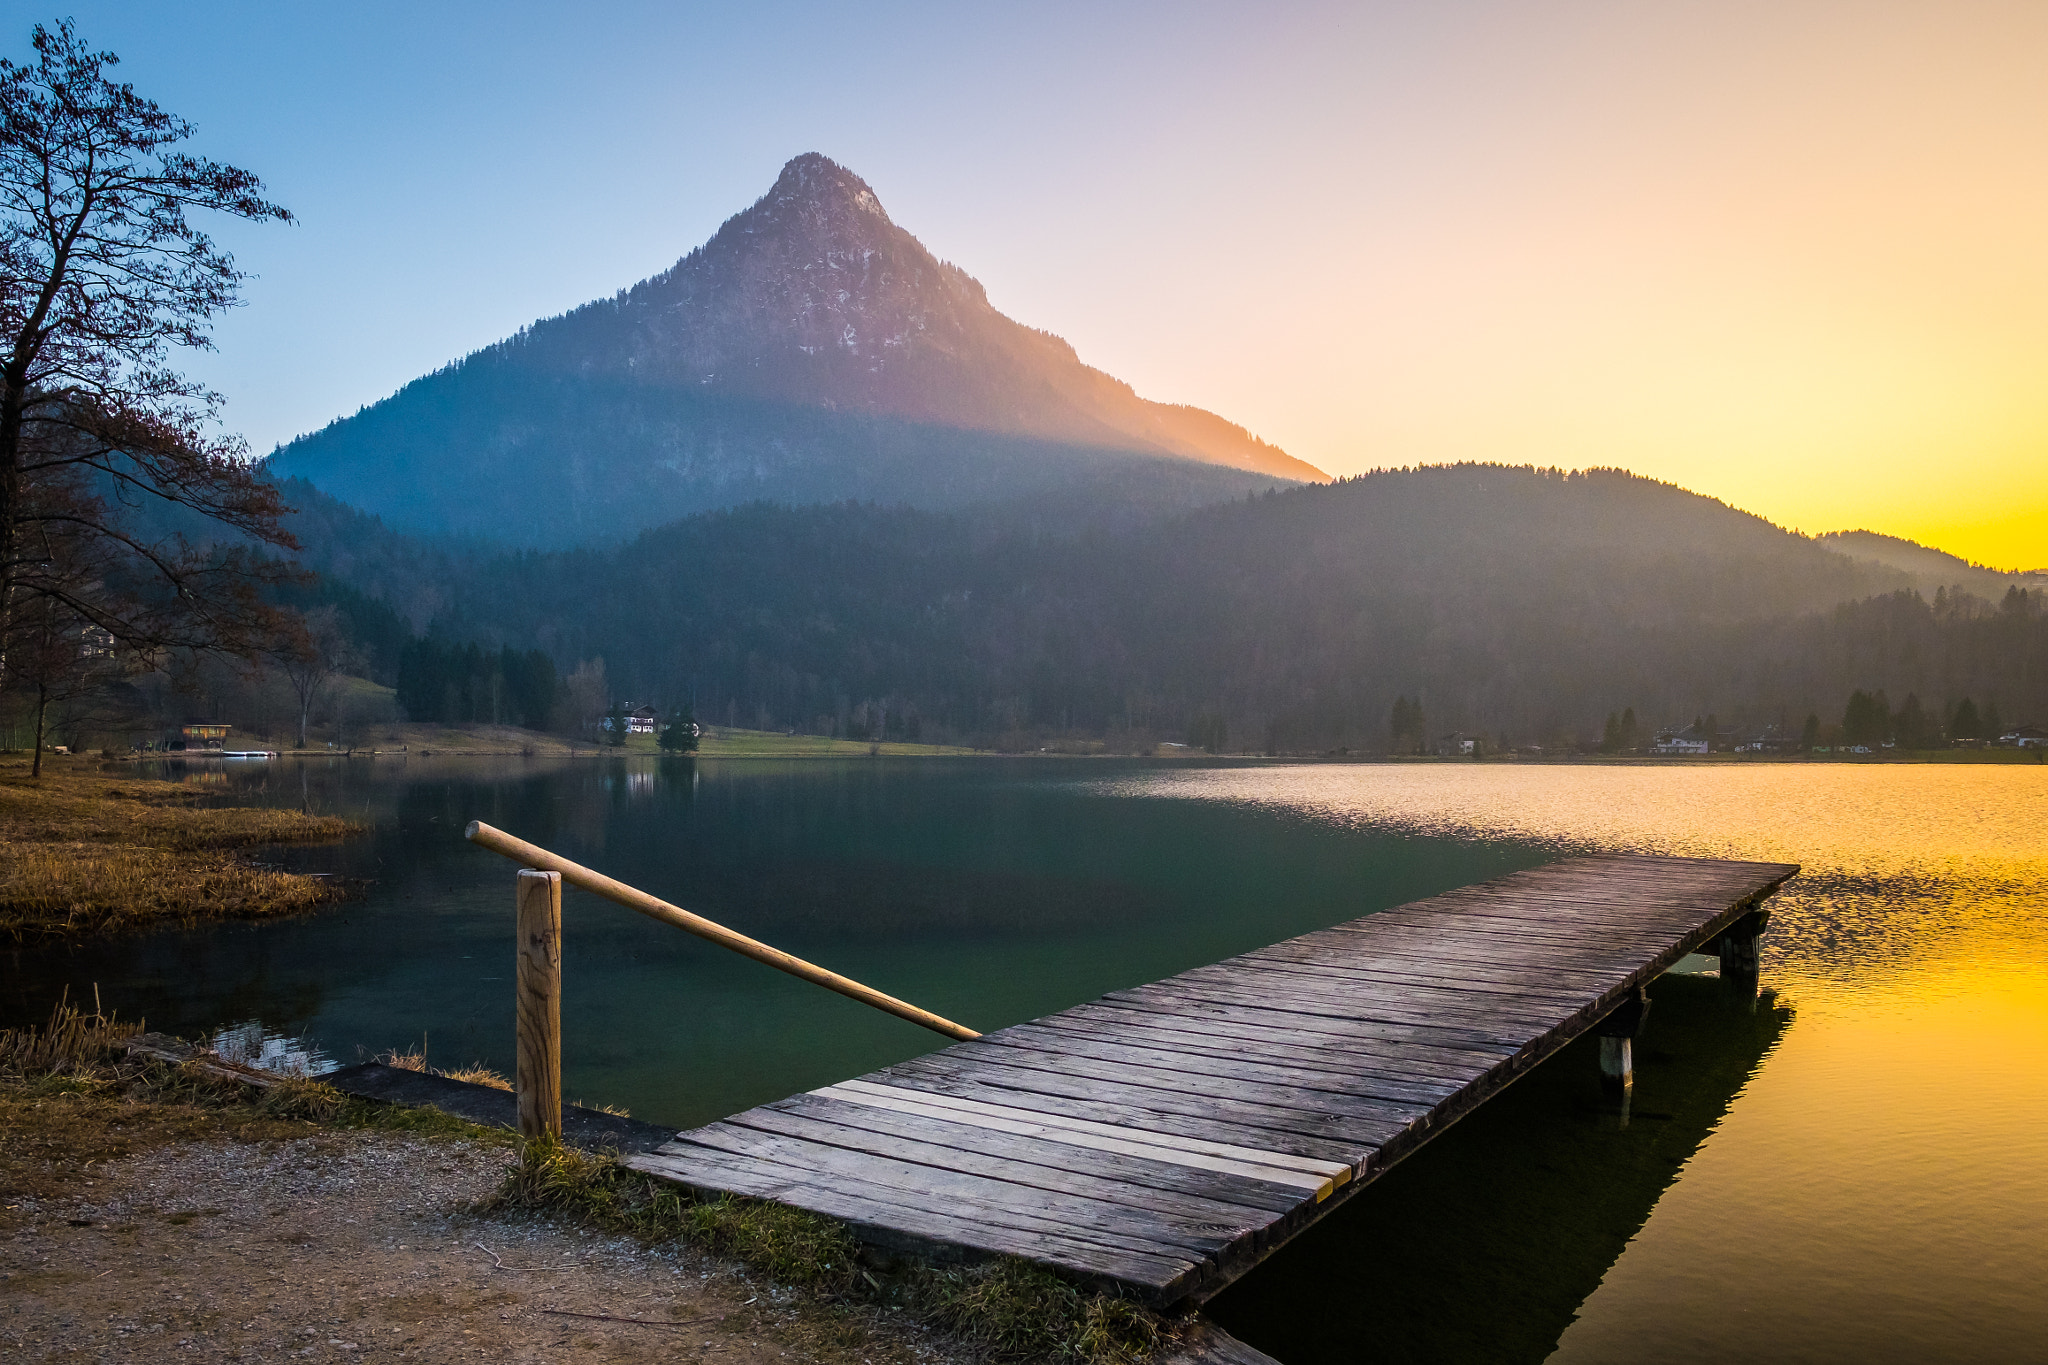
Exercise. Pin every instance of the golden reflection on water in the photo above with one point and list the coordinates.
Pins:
(1908, 867)
(1878, 1191)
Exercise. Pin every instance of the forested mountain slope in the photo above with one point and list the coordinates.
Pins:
(1930, 570)
(1517, 600)
(812, 351)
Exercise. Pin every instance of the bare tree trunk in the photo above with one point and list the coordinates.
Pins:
(305, 710)
(42, 704)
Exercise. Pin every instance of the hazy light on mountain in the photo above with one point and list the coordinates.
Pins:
(1785, 255)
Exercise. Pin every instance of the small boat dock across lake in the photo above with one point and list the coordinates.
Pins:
(1167, 1137)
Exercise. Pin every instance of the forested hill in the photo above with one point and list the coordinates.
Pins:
(1522, 601)
(812, 351)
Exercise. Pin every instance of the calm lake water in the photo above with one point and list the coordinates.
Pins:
(1853, 1168)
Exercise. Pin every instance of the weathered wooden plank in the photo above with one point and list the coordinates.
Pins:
(1288, 1048)
(896, 1100)
(1362, 1034)
(1339, 1137)
(1565, 960)
(1469, 962)
(1136, 1178)
(1454, 973)
(1380, 1008)
(876, 1212)
(1321, 1169)
(1264, 1069)
(1480, 981)
(1075, 1062)
(1147, 1231)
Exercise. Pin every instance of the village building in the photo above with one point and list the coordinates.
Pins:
(638, 720)
(1460, 745)
(1772, 740)
(1691, 740)
(204, 736)
(2025, 737)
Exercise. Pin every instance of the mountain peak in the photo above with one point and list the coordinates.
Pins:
(812, 350)
(815, 181)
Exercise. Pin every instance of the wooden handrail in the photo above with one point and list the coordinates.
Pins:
(534, 856)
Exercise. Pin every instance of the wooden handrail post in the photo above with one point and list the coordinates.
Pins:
(538, 996)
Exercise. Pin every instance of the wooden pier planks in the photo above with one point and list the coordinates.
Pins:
(1167, 1136)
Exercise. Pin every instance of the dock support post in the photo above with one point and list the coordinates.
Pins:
(1617, 1033)
(1741, 942)
(538, 1000)
(1740, 950)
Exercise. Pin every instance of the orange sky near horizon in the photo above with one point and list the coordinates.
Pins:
(1793, 257)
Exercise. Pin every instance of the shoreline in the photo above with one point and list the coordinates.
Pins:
(247, 1214)
(1960, 757)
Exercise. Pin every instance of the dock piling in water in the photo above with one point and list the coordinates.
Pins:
(1618, 1032)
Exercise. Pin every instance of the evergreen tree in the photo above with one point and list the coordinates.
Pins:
(1994, 724)
(1809, 733)
(614, 730)
(1610, 737)
(679, 736)
(1630, 735)
(1914, 728)
(1863, 721)
(1407, 728)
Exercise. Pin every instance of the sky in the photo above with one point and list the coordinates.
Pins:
(1793, 255)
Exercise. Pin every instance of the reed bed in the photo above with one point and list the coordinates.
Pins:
(83, 853)
(72, 1043)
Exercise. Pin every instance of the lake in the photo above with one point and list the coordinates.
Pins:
(1853, 1167)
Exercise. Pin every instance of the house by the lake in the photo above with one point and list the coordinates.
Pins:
(1691, 740)
(1461, 745)
(202, 735)
(2025, 737)
(1773, 740)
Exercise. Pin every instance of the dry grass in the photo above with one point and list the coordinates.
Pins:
(83, 853)
(476, 1073)
(72, 1043)
(72, 1094)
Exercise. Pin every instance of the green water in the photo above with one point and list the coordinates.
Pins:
(988, 891)
(1852, 1167)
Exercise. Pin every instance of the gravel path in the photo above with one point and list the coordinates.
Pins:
(353, 1246)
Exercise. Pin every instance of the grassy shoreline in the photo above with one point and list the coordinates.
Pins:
(85, 853)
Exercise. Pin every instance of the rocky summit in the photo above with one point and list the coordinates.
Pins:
(811, 351)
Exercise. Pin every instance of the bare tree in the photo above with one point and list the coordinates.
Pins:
(585, 697)
(103, 446)
(310, 658)
(57, 657)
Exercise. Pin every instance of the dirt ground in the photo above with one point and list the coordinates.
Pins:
(169, 1236)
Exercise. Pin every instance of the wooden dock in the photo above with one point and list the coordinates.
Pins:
(1165, 1138)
